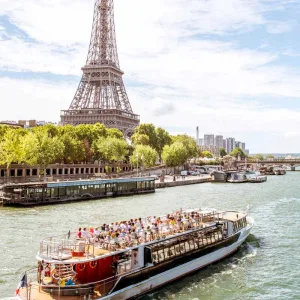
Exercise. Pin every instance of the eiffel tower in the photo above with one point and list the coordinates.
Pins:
(101, 96)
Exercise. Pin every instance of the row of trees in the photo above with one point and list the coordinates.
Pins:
(238, 152)
(68, 144)
(49, 144)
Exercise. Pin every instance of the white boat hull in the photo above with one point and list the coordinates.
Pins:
(178, 272)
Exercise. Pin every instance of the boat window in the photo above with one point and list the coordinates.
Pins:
(182, 247)
(161, 256)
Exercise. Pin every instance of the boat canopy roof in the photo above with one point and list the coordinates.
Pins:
(233, 216)
(78, 182)
(100, 181)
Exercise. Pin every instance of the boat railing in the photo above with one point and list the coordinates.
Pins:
(103, 286)
(62, 249)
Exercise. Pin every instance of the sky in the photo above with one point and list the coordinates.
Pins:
(230, 67)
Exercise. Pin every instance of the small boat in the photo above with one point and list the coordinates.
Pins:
(218, 176)
(103, 265)
(237, 177)
(256, 177)
(279, 171)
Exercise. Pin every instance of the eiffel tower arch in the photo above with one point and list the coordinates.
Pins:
(101, 95)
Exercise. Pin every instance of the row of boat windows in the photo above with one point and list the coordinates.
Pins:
(238, 225)
(170, 251)
(84, 189)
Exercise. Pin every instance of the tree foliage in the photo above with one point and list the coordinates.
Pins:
(189, 143)
(207, 154)
(110, 149)
(143, 155)
(222, 152)
(10, 151)
(175, 154)
(238, 152)
(40, 149)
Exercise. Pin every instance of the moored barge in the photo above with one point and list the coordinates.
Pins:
(152, 253)
(42, 193)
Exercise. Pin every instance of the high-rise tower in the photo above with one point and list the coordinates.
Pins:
(101, 96)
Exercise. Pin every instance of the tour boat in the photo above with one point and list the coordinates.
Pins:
(84, 265)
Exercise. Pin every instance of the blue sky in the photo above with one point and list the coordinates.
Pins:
(230, 67)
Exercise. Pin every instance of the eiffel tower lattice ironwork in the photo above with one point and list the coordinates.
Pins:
(101, 96)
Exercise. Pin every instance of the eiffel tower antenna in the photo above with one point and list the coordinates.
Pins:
(101, 96)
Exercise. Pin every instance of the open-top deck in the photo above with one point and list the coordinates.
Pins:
(70, 248)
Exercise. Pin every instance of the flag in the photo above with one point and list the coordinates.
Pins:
(22, 283)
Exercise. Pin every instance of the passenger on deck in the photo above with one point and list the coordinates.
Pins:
(79, 233)
(85, 234)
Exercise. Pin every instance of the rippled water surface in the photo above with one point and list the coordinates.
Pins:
(266, 267)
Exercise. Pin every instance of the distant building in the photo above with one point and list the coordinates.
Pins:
(201, 142)
(225, 144)
(209, 140)
(247, 152)
(25, 123)
(243, 147)
(230, 144)
(197, 135)
(12, 124)
(213, 149)
(219, 141)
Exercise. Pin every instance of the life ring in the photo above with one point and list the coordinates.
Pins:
(54, 275)
(81, 267)
(93, 264)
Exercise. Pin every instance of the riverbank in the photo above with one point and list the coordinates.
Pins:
(179, 181)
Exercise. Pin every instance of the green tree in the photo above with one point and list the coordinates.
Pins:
(143, 155)
(238, 152)
(115, 133)
(163, 138)
(10, 150)
(270, 156)
(140, 139)
(175, 155)
(3, 130)
(258, 157)
(40, 149)
(74, 152)
(207, 154)
(110, 149)
(189, 143)
(222, 152)
(149, 130)
(50, 129)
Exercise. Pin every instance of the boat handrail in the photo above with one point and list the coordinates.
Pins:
(33, 284)
(58, 250)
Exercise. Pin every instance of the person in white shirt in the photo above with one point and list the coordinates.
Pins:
(85, 234)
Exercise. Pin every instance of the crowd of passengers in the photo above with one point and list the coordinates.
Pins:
(136, 231)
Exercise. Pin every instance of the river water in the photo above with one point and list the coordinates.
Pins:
(267, 266)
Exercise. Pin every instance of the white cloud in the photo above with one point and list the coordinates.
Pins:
(281, 27)
(33, 99)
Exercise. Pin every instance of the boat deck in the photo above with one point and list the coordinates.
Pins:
(70, 249)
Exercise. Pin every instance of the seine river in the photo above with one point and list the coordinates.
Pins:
(266, 267)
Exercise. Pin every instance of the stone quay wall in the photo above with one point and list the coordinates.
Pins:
(24, 173)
